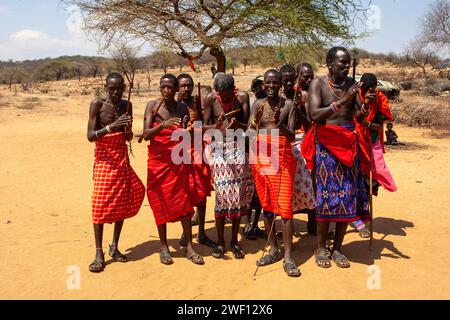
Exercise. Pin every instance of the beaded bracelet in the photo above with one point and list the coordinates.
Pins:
(334, 107)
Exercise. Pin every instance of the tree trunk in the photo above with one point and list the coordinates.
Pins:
(217, 53)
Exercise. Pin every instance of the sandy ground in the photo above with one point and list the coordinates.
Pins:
(46, 232)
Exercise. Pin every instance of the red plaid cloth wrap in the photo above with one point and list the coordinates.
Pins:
(168, 184)
(118, 191)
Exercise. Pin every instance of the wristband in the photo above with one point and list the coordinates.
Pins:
(334, 107)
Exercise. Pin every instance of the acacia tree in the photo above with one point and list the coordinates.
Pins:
(436, 24)
(126, 60)
(200, 25)
(419, 54)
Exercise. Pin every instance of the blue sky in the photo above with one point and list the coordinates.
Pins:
(33, 29)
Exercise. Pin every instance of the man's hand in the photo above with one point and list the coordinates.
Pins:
(123, 120)
(172, 122)
(369, 97)
(233, 124)
(190, 125)
(220, 120)
(348, 96)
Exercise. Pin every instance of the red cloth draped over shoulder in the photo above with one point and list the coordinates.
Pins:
(168, 189)
(227, 106)
(380, 104)
(118, 191)
(338, 140)
(274, 175)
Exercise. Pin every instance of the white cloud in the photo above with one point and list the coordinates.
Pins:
(34, 44)
(5, 9)
(28, 35)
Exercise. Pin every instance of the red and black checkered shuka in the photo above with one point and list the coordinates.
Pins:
(118, 191)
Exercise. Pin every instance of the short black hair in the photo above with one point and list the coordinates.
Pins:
(368, 80)
(257, 82)
(287, 68)
(274, 71)
(223, 81)
(115, 75)
(303, 65)
(331, 55)
(170, 76)
(185, 76)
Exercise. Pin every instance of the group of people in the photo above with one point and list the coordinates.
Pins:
(306, 144)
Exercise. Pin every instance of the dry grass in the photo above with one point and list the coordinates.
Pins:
(424, 112)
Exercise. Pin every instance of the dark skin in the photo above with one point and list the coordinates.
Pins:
(112, 112)
(288, 80)
(169, 115)
(320, 98)
(306, 75)
(280, 117)
(186, 87)
(214, 113)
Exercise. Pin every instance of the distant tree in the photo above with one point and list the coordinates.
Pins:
(52, 68)
(164, 58)
(419, 54)
(127, 61)
(78, 69)
(436, 24)
(12, 74)
(213, 24)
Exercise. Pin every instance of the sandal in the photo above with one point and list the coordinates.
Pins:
(194, 257)
(340, 260)
(269, 259)
(206, 241)
(260, 233)
(97, 265)
(364, 233)
(291, 269)
(218, 252)
(237, 251)
(116, 255)
(249, 234)
(322, 259)
(165, 257)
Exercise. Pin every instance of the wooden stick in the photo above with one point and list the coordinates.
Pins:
(160, 103)
(198, 107)
(226, 115)
(155, 112)
(371, 200)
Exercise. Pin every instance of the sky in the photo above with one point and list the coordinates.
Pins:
(35, 29)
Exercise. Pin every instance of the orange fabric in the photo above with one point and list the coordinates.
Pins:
(274, 179)
(338, 140)
(381, 104)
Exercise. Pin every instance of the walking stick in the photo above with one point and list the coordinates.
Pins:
(371, 200)
(130, 148)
